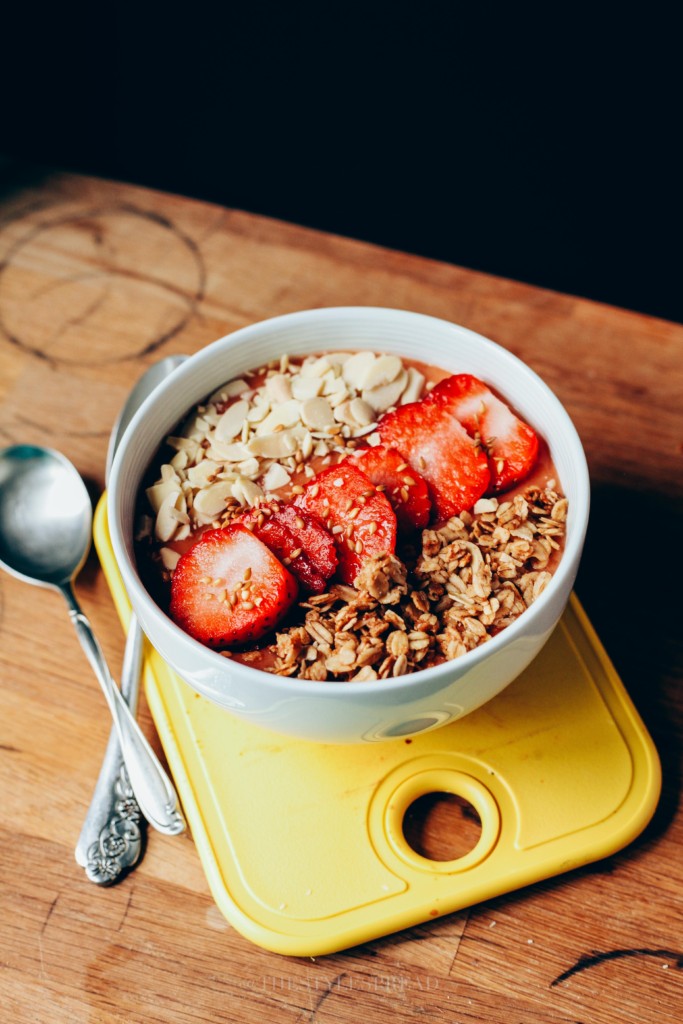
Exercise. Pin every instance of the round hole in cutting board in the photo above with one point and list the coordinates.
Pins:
(441, 826)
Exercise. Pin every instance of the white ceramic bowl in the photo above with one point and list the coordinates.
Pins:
(365, 711)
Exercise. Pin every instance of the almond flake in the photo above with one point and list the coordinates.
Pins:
(356, 368)
(306, 387)
(159, 493)
(210, 501)
(226, 451)
(285, 415)
(273, 446)
(414, 386)
(183, 444)
(279, 388)
(169, 558)
(230, 390)
(246, 491)
(317, 413)
(384, 396)
(276, 477)
(258, 412)
(315, 367)
(383, 371)
(203, 474)
(166, 523)
(250, 467)
(362, 412)
(230, 423)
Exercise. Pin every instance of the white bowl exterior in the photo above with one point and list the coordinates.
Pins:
(333, 711)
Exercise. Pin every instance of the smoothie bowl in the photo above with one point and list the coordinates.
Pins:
(350, 524)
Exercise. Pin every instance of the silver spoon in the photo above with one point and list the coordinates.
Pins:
(111, 840)
(45, 531)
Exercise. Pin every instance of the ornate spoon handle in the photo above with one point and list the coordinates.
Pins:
(153, 789)
(112, 837)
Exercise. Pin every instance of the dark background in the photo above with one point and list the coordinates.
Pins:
(541, 147)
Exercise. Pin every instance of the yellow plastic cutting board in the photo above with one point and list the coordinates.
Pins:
(302, 843)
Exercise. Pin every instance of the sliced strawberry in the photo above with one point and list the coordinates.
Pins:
(360, 518)
(298, 539)
(315, 540)
(510, 444)
(230, 589)
(439, 448)
(406, 490)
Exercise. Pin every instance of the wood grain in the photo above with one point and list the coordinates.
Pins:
(97, 280)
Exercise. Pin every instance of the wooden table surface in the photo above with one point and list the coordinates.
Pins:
(98, 280)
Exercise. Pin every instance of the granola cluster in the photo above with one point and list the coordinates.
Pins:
(473, 576)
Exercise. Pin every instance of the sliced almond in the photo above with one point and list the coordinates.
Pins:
(315, 367)
(385, 395)
(334, 385)
(285, 415)
(232, 389)
(276, 477)
(166, 523)
(196, 429)
(278, 388)
(205, 473)
(227, 452)
(306, 387)
(258, 411)
(210, 501)
(179, 461)
(317, 413)
(362, 412)
(246, 491)
(306, 445)
(230, 423)
(362, 431)
(159, 493)
(337, 397)
(212, 416)
(356, 369)
(183, 444)
(179, 514)
(384, 370)
(273, 446)
(250, 467)
(413, 389)
(169, 558)
(343, 414)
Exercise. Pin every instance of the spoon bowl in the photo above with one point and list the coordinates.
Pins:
(45, 516)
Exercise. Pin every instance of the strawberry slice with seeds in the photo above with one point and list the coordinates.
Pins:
(439, 448)
(229, 589)
(315, 540)
(359, 517)
(298, 539)
(510, 444)
(405, 488)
